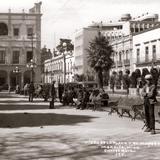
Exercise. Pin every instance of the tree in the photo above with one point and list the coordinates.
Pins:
(99, 56)
(112, 81)
(138, 78)
(155, 75)
(119, 79)
(45, 54)
(133, 80)
(80, 77)
(67, 47)
(145, 71)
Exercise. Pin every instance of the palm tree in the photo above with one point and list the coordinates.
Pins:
(99, 56)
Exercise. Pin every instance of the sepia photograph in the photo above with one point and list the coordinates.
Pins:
(80, 80)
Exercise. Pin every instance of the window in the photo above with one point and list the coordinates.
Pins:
(16, 31)
(154, 52)
(136, 30)
(15, 57)
(146, 54)
(120, 57)
(29, 56)
(127, 55)
(3, 29)
(29, 31)
(138, 55)
(2, 57)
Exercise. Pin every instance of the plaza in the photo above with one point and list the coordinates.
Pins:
(33, 131)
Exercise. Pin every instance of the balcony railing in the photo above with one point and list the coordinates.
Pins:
(57, 71)
(147, 62)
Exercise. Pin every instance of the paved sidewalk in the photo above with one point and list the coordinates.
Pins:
(70, 134)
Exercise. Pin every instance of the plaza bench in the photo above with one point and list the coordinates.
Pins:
(133, 107)
(113, 105)
(138, 109)
(97, 105)
(94, 105)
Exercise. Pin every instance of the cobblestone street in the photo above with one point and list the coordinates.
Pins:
(32, 131)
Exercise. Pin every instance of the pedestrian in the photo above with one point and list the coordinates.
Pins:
(53, 92)
(26, 87)
(17, 89)
(31, 91)
(46, 91)
(149, 93)
(85, 99)
(65, 99)
(60, 92)
(79, 99)
(112, 81)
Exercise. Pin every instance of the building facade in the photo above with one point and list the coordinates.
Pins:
(81, 43)
(60, 69)
(122, 55)
(119, 34)
(146, 49)
(121, 39)
(20, 41)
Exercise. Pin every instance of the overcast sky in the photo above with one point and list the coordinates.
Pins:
(61, 18)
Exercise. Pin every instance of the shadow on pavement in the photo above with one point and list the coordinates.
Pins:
(22, 106)
(14, 120)
(49, 147)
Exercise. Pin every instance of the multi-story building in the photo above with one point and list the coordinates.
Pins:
(123, 44)
(59, 68)
(20, 41)
(81, 43)
(146, 49)
(119, 35)
(122, 55)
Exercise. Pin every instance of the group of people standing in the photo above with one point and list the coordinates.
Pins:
(30, 88)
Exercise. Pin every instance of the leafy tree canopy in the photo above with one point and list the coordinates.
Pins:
(99, 56)
(99, 53)
(65, 45)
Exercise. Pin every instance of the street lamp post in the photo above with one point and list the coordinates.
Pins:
(31, 65)
(16, 71)
(64, 61)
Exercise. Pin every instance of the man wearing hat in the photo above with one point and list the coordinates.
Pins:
(53, 92)
(149, 94)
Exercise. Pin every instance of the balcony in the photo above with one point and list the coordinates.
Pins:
(147, 62)
(57, 71)
(126, 62)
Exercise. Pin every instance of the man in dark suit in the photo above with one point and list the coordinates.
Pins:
(149, 93)
(31, 91)
(53, 92)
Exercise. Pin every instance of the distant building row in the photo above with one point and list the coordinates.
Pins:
(135, 41)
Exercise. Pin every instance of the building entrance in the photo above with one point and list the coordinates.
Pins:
(3, 79)
(27, 77)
